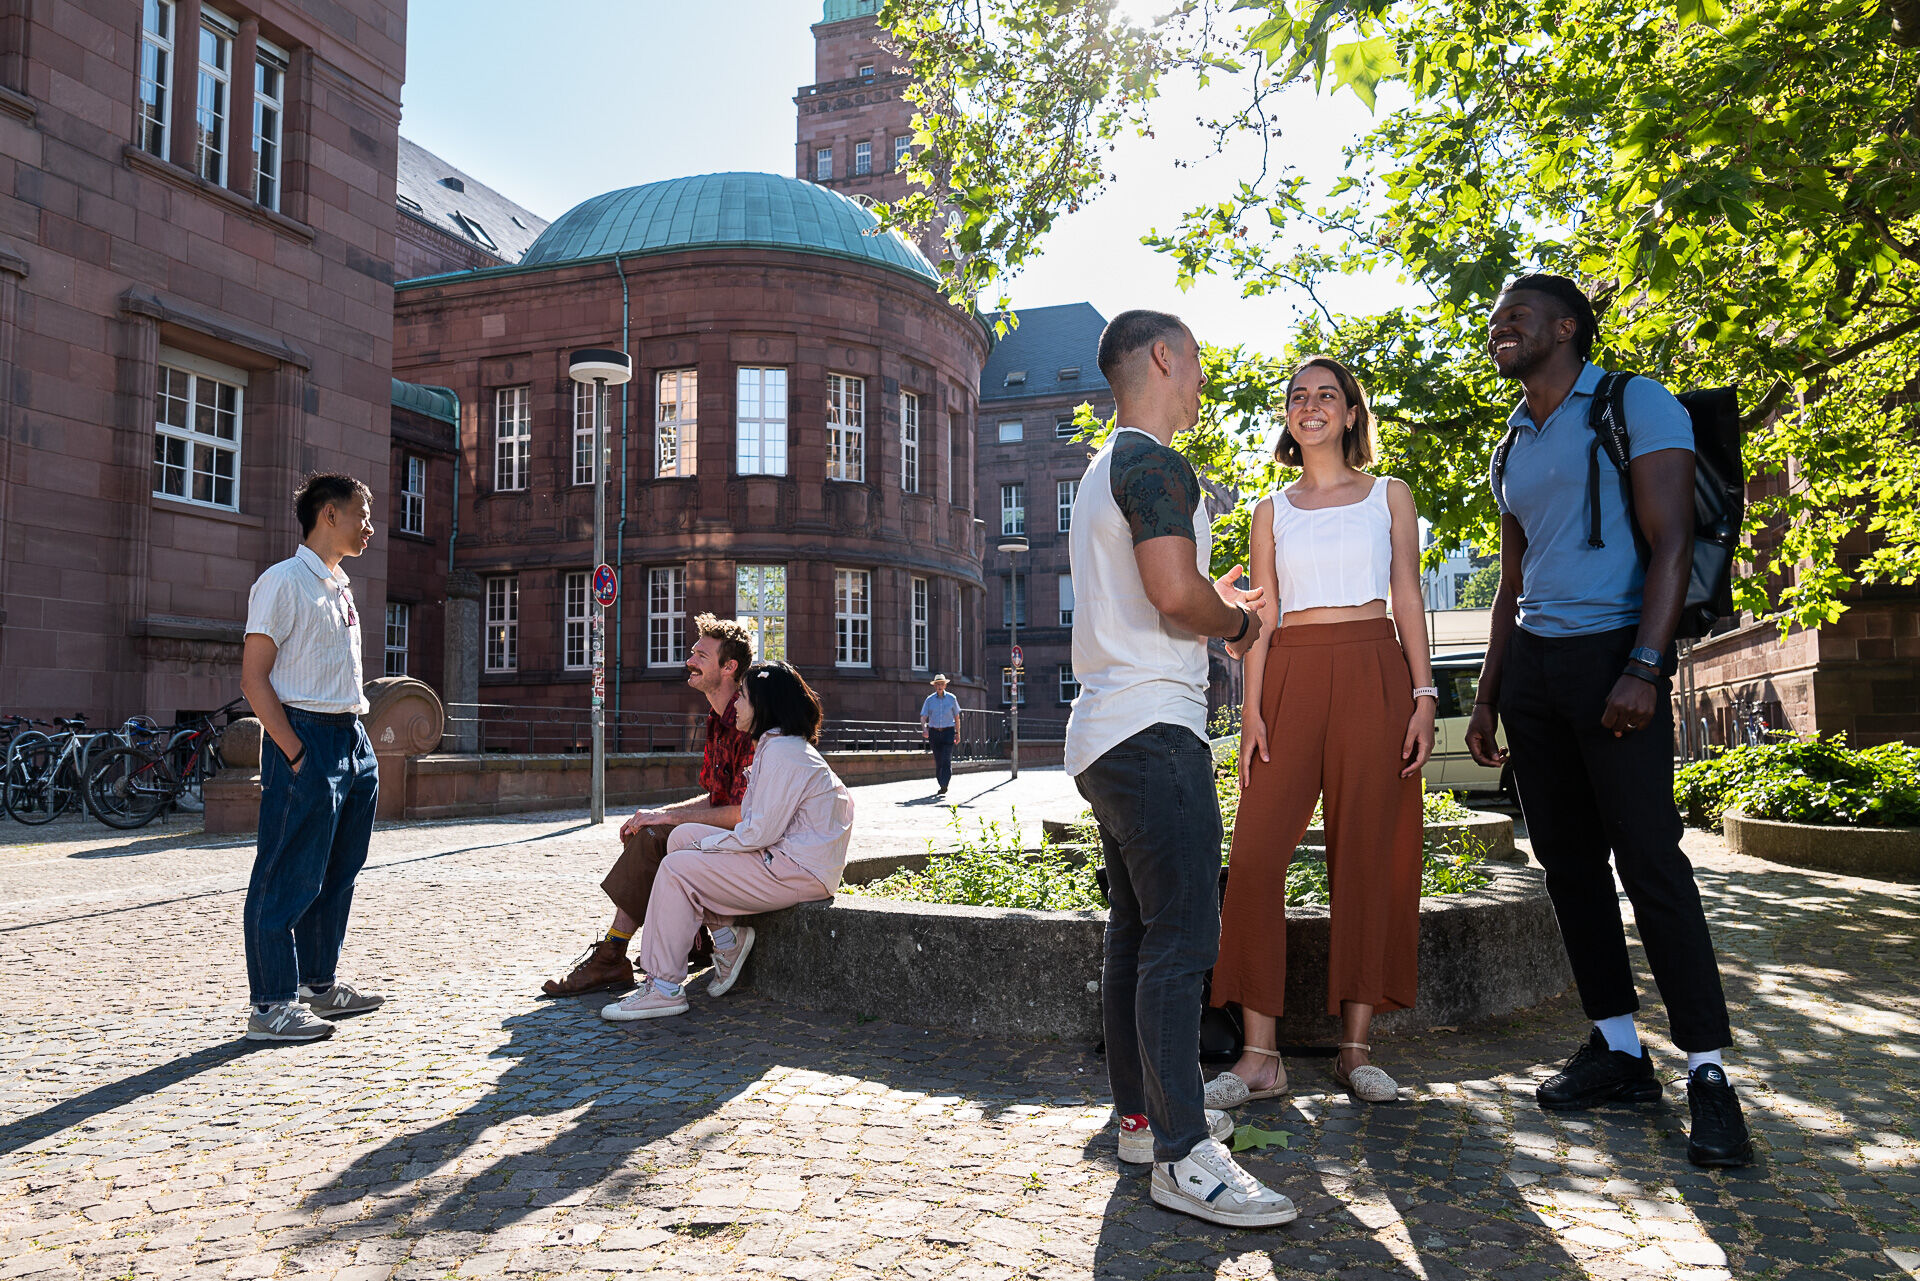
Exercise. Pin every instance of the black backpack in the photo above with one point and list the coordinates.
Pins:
(1719, 489)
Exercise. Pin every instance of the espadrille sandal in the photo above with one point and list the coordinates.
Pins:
(1229, 1091)
(1367, 1083)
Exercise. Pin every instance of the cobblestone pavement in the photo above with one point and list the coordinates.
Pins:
(471, 1130)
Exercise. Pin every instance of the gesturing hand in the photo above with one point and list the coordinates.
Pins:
(1248, 599)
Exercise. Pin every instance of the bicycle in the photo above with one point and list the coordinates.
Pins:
(131, 785)
(45, 773)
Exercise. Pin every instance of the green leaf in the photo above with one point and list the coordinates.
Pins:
(1362, 64)
(1247, 1136)
(1710, 12)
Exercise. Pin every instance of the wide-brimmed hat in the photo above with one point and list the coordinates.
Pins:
(941, 679)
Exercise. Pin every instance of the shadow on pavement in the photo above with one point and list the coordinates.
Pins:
(71, 1112)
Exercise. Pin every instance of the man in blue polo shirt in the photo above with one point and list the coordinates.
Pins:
(1578, 666)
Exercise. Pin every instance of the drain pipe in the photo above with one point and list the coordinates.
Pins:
(620, 530)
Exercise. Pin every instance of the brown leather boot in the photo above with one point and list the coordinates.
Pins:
(605, 968)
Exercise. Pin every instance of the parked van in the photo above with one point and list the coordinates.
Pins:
(1457, 676)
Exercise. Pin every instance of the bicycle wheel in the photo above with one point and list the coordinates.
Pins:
(32, 792)
(128, 786)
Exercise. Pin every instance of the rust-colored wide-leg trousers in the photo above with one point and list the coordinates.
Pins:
(1336, 698)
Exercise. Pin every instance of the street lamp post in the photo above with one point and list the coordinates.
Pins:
(1014, 545)
(599, 368)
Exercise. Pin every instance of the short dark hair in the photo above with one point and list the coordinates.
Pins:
(1359, 443)
(736, 642)
(781, 699)
(1129, 331)
(321, 488)
(1573, 302)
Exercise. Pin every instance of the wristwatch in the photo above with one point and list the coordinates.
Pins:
(1645, 654)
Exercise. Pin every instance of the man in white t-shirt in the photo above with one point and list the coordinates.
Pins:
(1137, 750)
(319, 781)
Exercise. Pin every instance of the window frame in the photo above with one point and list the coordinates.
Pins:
(1013, 600)
(1065, 600)
(666, 626)
(1013, 516)
(920, 618)
(756, 617)
(862, 158)
(1064, 429)
(902, 147)
(165, 65)
(846, 415)
(269, 109)
(852, 617)
(502, 613)
(684, 430)
(576, 612)
(413, 500)
(582, 436)
(1019, 434)
(213, 96)
(823, 164)
(517, 446)
(910, 442)
(766, 442)
(1064, 493)
(194, 371)
(1068, 678)
(405, 629)
(1013, 679)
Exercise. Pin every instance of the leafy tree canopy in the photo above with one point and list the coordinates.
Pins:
(1734, 181)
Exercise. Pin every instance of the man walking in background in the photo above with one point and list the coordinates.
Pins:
(319, 781)
(715, 665)
(1137, 750)
(940, 725)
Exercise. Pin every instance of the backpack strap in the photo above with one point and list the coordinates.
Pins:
(1500, 463)
(1608, 420)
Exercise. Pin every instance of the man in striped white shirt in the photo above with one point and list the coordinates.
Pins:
(319, 781)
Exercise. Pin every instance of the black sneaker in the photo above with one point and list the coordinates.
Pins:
(1596, 1075)
(1719, 1133)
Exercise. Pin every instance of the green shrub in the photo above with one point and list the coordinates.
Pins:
(1812, 780)
(992, 869)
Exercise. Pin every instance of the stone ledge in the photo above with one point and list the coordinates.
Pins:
(1007, 972)
(1885, 853)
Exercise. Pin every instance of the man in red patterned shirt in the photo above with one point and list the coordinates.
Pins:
(714, 668)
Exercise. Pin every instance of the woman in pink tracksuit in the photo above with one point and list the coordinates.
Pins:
(790, 847)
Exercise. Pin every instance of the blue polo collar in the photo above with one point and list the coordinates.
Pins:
(1584, 385)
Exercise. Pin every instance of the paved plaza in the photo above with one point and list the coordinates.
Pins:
(470, 1130)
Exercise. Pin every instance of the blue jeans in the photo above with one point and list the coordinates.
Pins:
(314, 829)
(1159, 819)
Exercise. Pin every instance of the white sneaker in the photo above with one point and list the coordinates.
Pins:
(647, 1002)
(1207, 1184)
(341, 998)
(726, 965)
(287, 1021)
(1136, 1136)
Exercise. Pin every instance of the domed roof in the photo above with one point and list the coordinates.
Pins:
(724, 210)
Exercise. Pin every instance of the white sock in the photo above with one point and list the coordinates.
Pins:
(1705, 1056)
(665, 988)
(1621, 1034)
(723, 939)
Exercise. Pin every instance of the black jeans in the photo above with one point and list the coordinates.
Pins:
(1585, 793)
(1153, 800)
(941, 741)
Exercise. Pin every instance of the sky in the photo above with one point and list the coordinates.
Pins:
(601, 94)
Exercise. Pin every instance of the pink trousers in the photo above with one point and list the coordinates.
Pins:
(694, 886)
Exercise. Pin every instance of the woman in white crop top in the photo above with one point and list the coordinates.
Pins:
(1339, 703)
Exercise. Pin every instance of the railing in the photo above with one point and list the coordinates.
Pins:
(507, 727)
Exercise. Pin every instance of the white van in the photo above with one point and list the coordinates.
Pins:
(1457, 675)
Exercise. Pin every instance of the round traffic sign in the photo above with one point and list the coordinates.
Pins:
(606, 585)
(1018, 660)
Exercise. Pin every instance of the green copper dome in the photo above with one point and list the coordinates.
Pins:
(841, 10)
(724, 211)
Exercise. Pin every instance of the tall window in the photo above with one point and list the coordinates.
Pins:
(666, 615)
(760, 603)
(578, 619)
(503, 623)
(213, 99)
(901, 145)
(399, 617)
(1064, 492)
(846, 427)
(862, 157)
(512, 437)
(583, 460)
(1066, 600)
(922, 630)
(852, 618)
(676, 425)
(1069, 683)
(1011, 430)
(154, 116)
(823, 164)
(761, 433)
(1013, 596)
(196, 442)
(909, 442)
(1013, 508)
(269, 110)
(413, 495)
